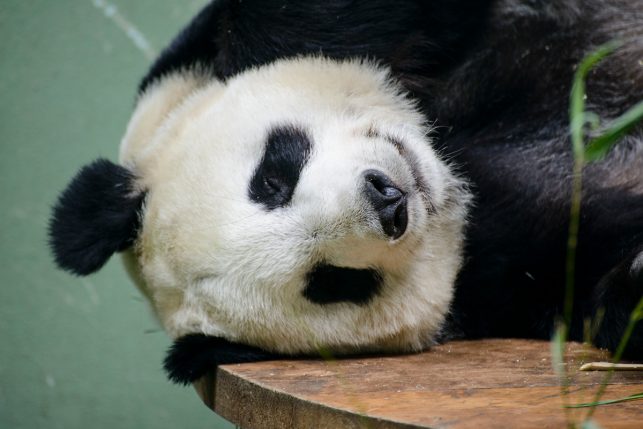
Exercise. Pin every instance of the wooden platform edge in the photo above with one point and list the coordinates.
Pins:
(286, 411)
(502, 382)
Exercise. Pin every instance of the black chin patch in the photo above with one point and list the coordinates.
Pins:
(328, 284)
(192, 356)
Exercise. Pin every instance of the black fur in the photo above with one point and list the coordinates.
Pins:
(617, 293)
(97, 215)
(192, 356)
(277, 174)
(228, 36)
(508, 112)
(495, 77)
(328, 284)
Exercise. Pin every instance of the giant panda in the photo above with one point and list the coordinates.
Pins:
(368, 176)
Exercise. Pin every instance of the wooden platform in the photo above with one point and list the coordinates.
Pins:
(466, 384)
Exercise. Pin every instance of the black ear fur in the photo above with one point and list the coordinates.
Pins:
(193, 355)
(97, 215)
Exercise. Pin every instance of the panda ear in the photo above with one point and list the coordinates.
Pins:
(97, 215)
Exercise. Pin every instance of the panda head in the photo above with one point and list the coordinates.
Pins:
(294, 207)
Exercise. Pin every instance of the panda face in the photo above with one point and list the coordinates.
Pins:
(295, 206)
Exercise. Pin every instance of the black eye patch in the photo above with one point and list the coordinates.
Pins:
(277, 174)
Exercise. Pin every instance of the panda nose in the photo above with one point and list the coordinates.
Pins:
(388, 201)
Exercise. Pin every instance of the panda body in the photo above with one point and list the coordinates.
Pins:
(298, 177)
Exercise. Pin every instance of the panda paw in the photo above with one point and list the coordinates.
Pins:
(617, 294)
(194, 355)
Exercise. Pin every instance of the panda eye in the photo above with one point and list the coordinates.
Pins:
(275, 178)
(272, 185)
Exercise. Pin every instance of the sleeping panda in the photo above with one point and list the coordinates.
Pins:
(368, 176)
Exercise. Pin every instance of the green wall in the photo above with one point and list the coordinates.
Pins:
(75, 352)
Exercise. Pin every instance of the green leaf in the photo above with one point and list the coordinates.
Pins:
(637, 313)
(593, 120)
(598, 147)
(634, 397)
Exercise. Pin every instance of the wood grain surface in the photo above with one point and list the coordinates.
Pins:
(464, 384)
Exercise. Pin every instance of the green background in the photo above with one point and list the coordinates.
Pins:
(75, 352)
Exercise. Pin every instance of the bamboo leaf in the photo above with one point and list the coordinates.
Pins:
(637, 313)
(634, 397)
(593, 120)
(598, 147)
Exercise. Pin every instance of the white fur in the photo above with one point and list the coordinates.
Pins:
(212, 261)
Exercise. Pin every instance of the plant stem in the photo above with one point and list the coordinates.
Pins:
(577, 120)
(636, 315)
